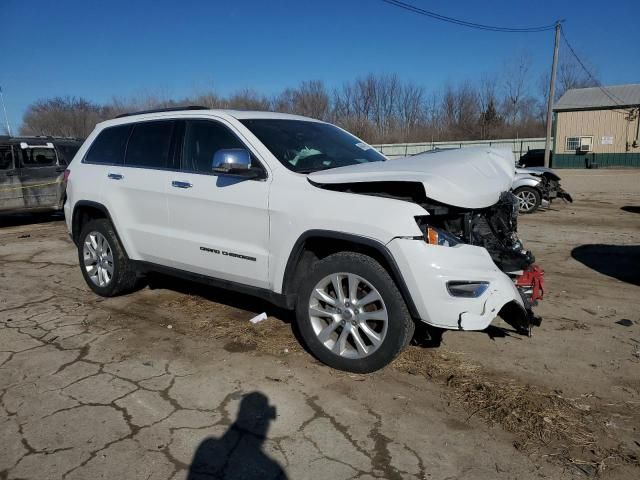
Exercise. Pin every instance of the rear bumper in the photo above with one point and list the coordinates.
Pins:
(427, 269)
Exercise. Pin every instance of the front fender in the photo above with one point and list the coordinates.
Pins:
(525, 181)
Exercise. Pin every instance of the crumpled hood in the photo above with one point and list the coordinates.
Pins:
(468, 177)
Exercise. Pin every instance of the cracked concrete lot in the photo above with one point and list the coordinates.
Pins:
(89, 392)
(95, 388)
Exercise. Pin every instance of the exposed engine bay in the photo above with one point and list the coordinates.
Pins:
(494, 228)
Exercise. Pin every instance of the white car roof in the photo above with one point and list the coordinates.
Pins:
(235, 114)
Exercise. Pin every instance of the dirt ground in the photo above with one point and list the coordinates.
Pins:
(173, 381)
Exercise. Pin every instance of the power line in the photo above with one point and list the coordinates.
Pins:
(616, 100)
(464, 23)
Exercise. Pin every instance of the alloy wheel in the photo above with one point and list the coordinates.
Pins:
(98, 259)
(527, 200)
(348, 315)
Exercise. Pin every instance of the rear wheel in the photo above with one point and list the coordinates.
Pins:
(529, 199)
(103, 262)
(351, 315)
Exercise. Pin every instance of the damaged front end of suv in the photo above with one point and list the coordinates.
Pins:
(496, 229)
(468, 265)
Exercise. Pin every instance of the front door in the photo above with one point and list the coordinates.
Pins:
(218, 224)
(10, 187)
(40, 175)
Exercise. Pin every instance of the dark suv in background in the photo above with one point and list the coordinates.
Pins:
(32, 172)
(534, 158)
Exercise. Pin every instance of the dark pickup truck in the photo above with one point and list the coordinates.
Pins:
(32, 172)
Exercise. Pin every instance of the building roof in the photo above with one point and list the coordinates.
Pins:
(595, 97)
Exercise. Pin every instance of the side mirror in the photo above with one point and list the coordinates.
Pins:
(232, 160)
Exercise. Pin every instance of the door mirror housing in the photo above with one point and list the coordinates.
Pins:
(232, 160)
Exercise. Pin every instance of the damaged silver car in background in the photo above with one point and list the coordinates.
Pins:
(537, 187)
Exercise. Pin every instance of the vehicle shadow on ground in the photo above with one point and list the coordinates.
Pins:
(230, 298)
(238, 454)
(631, 208)
(617, 261)
(21, 219)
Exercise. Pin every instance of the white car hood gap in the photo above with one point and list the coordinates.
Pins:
(467, 178)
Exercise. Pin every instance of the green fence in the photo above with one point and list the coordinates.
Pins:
(596, 160)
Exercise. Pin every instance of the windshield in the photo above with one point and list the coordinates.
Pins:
(306, 147)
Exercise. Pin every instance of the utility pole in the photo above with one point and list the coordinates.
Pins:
(552, 93)
(6, 119)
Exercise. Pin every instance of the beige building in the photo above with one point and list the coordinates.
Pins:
(598, 126)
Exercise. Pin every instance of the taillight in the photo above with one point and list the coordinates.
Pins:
(67, 174)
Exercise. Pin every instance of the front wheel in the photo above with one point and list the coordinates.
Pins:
(351, 315)
(529, 199)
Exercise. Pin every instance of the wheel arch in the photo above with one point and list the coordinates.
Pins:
(316, 244)
(85, 211)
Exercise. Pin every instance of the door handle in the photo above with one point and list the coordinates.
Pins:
(178, 184)
(115, 176)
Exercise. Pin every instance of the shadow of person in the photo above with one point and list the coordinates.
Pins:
(238, 453)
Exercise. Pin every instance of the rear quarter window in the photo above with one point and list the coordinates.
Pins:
(109, 146)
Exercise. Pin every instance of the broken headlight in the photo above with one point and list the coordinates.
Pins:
(437, 236)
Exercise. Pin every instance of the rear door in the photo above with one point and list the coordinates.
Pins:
(135, 191)
(10, 186)
(40, 175)
(219, 224)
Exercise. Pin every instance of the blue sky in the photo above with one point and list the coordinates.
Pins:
(102, 49)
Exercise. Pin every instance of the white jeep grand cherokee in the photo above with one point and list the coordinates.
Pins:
(306, 215)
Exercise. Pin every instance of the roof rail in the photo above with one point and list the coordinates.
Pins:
(159, 110)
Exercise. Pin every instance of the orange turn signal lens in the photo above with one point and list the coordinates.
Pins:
(432, 236)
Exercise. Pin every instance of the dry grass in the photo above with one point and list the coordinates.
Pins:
(565, 430)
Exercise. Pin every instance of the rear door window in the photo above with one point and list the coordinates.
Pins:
(150, 145)
(109, 147)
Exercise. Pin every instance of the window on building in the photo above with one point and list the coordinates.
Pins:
(573, 144)
(583, 144)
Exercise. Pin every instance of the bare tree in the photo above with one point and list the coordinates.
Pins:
(516, 85)
(61, 116)
(248, 99)
(310, 99)
(572, 75)
(490, 119)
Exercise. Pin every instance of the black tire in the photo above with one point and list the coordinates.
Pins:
(125, 279)
(531, 193)
(400, 326)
